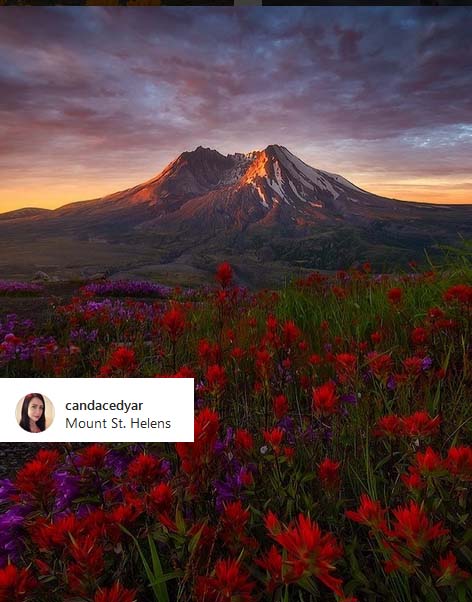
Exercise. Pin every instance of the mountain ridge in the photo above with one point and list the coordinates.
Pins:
(267, 207)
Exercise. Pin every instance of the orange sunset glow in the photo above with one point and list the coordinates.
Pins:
(96, 103)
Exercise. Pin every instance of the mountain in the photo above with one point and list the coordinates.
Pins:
(267, 205)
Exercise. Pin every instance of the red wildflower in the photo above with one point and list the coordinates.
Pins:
(123, 515)
(272, 523)
(195, 455)
(325, 400)
(173, 322)
(370, 513)
(280, 406)
(88, 565)
(459, 462)
(346, 364)
(290, 333)
(92, 456)
(376, 337)
(395, 295)
(398, 561)
(461, 293)
(435, 313)
(48, 535)
(116, 593)
(234, 518)
(224, 274)
(122, 360)
(208, 353)
(230, 583)
(263, 362)
(160, 497)
(419, 335)
(429, 462)
(273, 564)
(413, 526)
(310, 552)
(184, 372)
(243, 440)
(420, 424)
(238, 354)
(412, 479)
(146, 469)
(216, 378)
(380, 364)
(413, 366)
(315, 359)
(328, 472)
(274, 438)
(35, 478)
(448, 572)
(16, 585)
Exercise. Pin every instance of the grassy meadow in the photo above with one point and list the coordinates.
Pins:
(332, 456)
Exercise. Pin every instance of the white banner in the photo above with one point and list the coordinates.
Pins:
(96, 410)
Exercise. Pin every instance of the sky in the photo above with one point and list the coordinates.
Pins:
(98, 99)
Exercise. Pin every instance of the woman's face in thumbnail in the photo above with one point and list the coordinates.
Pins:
(35, 409)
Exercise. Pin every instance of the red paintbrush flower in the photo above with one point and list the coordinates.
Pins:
(116, 593)
(273, 564)
(290, 333)
(310, 552)
(122, 362)
(195, 455)
(146, 469)
(274, 438)
(208, 353)
(461, 293)
(380, 363)
(346, 365)
(414, 528)
(230, 583)
(36, 478)
(459, 462)
(48, 535)
(243, 440)
(420, 424)
(395, 295)
(280, 406)
(224, 274)
(376, 337)
(419, 336)
(160, 497)
(412, 479)
(272, 523)
(388, 426)
(448, 571)
(92, 456)
(328, 472)
(173, 322)
(370, 513)
(17, 585)
(325, 400)
(234, 518)
(216, 378)
(413, 366)
(263, 362)
(429, 462)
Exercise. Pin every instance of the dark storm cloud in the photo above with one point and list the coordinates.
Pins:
(113, 89)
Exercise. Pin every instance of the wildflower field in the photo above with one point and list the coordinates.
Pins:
(332, 456)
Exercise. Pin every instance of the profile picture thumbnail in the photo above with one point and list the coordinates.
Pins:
(35, 412)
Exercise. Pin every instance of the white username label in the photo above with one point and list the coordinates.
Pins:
(97, 410)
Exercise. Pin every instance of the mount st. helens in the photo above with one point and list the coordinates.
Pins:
(262, 207)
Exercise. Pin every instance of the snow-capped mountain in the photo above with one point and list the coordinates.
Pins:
(268, 198)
